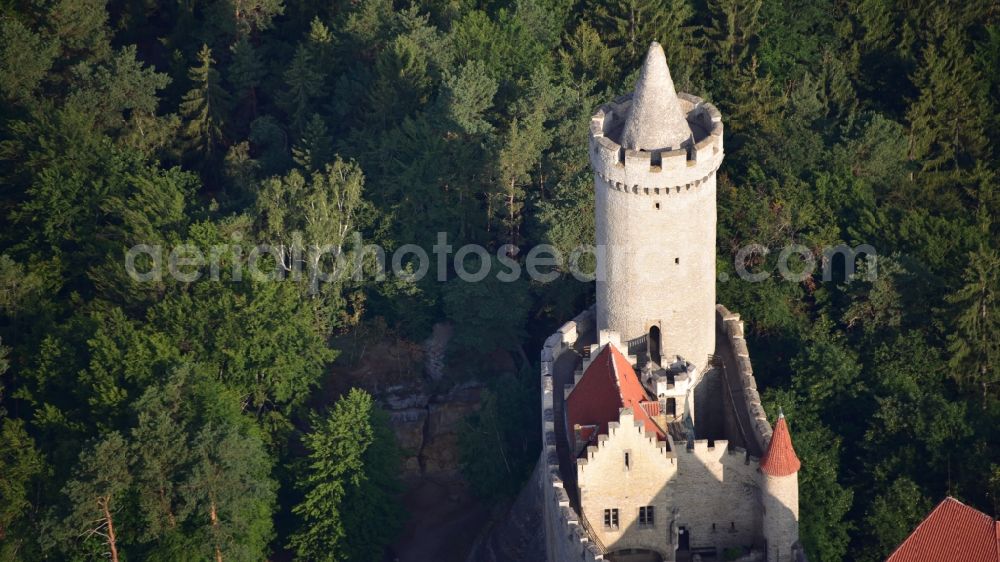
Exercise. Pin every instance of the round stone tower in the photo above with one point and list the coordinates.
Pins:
(654, 155)
(779, 472)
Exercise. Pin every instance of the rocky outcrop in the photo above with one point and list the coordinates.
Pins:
(427, 426)
(435, 348)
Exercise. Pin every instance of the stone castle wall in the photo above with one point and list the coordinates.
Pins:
(718, 495)
(760, 428)
(565, 537)
(606, 483)
(781, 516)
(717, 490)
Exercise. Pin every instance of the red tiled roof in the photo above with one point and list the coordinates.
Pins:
(608, 385)
(780, 459)
(587, 433)
(652, 408)
(954, 532)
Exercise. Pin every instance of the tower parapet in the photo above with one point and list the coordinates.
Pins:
(656, 172)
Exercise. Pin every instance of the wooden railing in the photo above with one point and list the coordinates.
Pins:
(638, 344)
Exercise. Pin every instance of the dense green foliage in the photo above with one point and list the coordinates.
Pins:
(347, 510)
(182, 405)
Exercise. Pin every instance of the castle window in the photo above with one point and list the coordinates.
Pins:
(713, 527)
(611, 518)
(628, 458)
(647, 515)
(657, 205)
(677, 260)
(732, 526)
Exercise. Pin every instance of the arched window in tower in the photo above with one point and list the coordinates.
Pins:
(654, 344)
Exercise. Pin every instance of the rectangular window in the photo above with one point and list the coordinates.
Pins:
(628, 458)
(610, 518)
(647, 515)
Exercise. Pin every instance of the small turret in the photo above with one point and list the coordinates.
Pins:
(779, 470)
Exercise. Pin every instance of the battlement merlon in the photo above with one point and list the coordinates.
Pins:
(659, 171)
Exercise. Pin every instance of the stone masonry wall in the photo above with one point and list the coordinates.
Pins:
(717, 486)
(565, 537)
(760, 429)
(655, 226)
(606, 483)
(781, 516)
(708, 483)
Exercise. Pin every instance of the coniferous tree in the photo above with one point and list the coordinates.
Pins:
(587, 53)
(469, 95)
(315, 148)
(304, 86)
(205, 107)
(20, 464)
(246, 72)
(252, 16)
(336, 463)
(402, 83)
(375, 497)
(229, 493)
(80, 27)
(734, 25)
(162, 452)
(973, 342)
(944, 132)
(628, 26)
(96, 496)
(321, 43)
(25, 60)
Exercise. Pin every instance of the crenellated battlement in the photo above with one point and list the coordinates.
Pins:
(760, 430)
(660, 172)
(566, 535)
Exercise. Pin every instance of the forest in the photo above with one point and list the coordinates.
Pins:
(191, 420)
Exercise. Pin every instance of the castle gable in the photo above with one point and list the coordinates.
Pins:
(608, 385)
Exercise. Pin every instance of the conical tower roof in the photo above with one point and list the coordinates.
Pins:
(655, 120)
(780, 458)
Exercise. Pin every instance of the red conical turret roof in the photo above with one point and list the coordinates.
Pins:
(780, 459)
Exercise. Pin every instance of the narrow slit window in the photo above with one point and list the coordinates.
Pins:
(628, 460)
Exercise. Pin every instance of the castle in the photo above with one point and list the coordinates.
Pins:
(656, 446)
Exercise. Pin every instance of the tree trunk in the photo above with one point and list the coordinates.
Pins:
(170, 512)
(213, 515)
(511, 233)
(112, 541)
